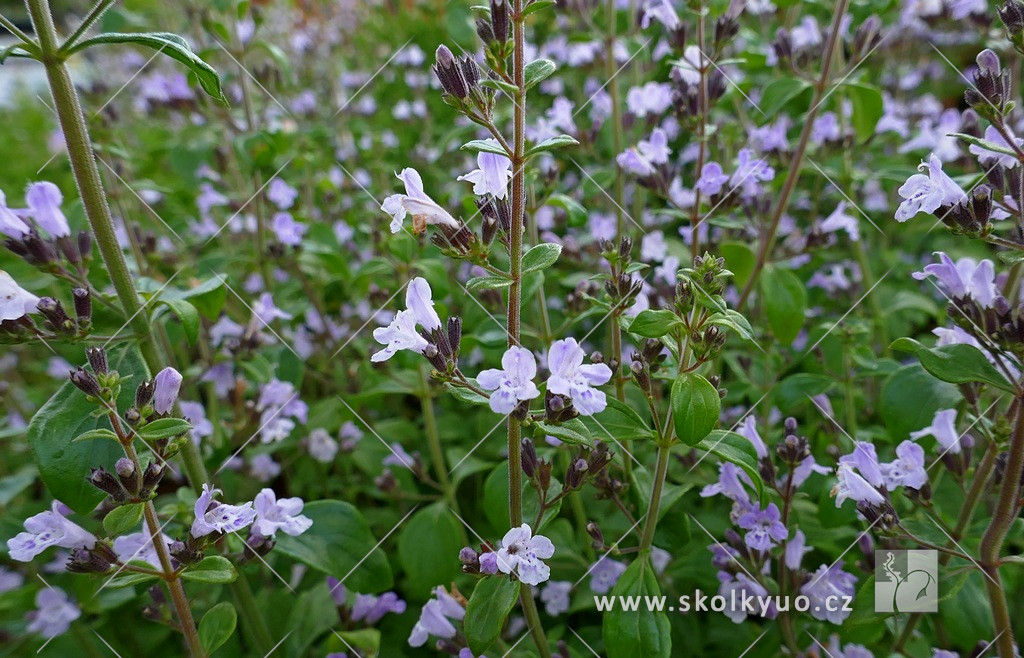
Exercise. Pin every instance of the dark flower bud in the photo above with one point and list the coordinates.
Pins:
(386, 481)
(144, 393)
(726, 27)
(529, 458)
(84, 560)
(151, 476)
(484, 31)
(500, 19)
(129, 476)
(97, 357)
(625, 248)
(595, 534)
(469, 557)
(643, 380)
(1011, 14)
(86, 382)
(184, 553)
(257, 545)
(39, 251)
(867, 546)
(868, 35)
(132, 416)
(576, 473)
(55, 314)
(105, 481)
(83, 304)
(488, 229)
(790, 424)
(455, 335)
(449, 73)
(599, 457)
(67, 247)
(783, 45)
(85, 244)
(522, 411)
(470, 72)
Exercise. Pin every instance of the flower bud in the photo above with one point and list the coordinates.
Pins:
(97, 357)
(449, 73)
(500, 19)
(84, 560)
(455, 335)
(85, 244)
(86, 382)
(576, 474)
(151, 476)
(55, 314)
(83, 305)
(144, 393)
(105, 481)
(129, 476)
(167, 382)
(529, 458)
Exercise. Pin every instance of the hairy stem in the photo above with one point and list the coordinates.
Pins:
(660, 472)
(793, 170)
(434, 440)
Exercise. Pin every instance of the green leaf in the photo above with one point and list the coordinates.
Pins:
(695, 407)
(910, 398)
(552, 143)
(654, 323)
(956, 364)
(98, 433)
(164, 428)
(485, 146)
(867, 106)
(465, 395)
(129, 579)
(541, 256)
(428, 548)
(492, 599)
(740, 260)
(537, 71)
(571, 431)
(169, 44)
(64, 465)
(213, 569)
(339, 540)
(495, 83)
(122, 519)
(623, 422)
(187, 314)
(640, 633)
(779, 93)
(488, 282)
(577, 213)
(208, 297)
(738, 450)
(217, 626)
(14, 50)
(785, 302)
(734, 320)
(537, 5)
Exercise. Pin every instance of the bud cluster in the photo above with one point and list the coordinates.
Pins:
(55, 319)
(443, 347)
(991, 94)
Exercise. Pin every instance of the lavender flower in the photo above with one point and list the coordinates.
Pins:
(513, 383)
(281, 194)
(195, 413)
(764, 528)
(284, 515)
(605, 573)
(522, 552)
(865, 460)
(167, 383)
(748, 430)
(10, 224)
(418, 300)
(661, 11)
(943, 428)
(750, 171)
(264, 468)
(829, 583)
(415, 201)
(907, 469)
(555, 597)
(321, 446)
(711, 180)
(570, 377)
(15, 301)
(401, 334)
(642, 160)
(44, 201)
(840, 220)
(10, 580)
(741, 588)
(853, 486)
(288, 231)
(927, 193)
(370, 609)
(138, 546)
(48, 529)
(964, 278)
(53, 614)
(435, 618)
(796, 548)
(492, 175)
(212, 516)
(989, 159)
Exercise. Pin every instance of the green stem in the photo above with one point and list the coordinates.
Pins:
(793, 170)
(93, 16)
(660, 473)
(9, 25)
(251, 618)
(434, 440)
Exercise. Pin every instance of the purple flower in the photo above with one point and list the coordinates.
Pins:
(398, 457)
(943, 428)
(744, 596)
(964, 278)
(661, 11)
(865, 460)
(370, 609)
(712, 179)
(927, 193)
(764, 528)
(492, 176)
(195, 413)
(689, 65)
(641, 160)
(10, 224)
(653, 247)
(555, 597)
(44, 201)
(401, 334)
(651, 98)
(605, 573)
(264, 468)
(284, 515)
(489, 563)
(10, 580)
(731, 479)
(321, 446)
(415, 202)
(281, 194)
(804, 469)
(522, 552)
(53, 614)
(907, 469)
(435, 616)
(853, 486)
(418, 300)
(138, 546)
(989, 159)
(513, 383)
(48, 529)
(167, 383)
(750, 171)
(748, 430)
(828, 585)
(15, 301)
(570, 377)
(288, 231)
(212, 516)
(266, 311)
(840, 220)
(796, 548)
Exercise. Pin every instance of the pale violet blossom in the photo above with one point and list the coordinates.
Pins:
(513, 383)
(415, 202)
(47, 529)
(401, 334)
(642, 160)
(943, 428)
(711, 180)
(854, 487)
(988, 158)
(281, 194)
(964, 278)
(841, 220)
(492, 175)
(321, 446)
(522, 552)
(212, 516)
(10, 224)
(928, 192)
(138, 546)
(53, 614)
(555, 597)
(166, 385)
(570, 377)
(273, 514)
(689, 66)
(907, 469)
(661, 11)
(435, 618)
(44, 201)
(15, 301)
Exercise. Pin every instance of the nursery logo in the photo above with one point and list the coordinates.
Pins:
(906, 581)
